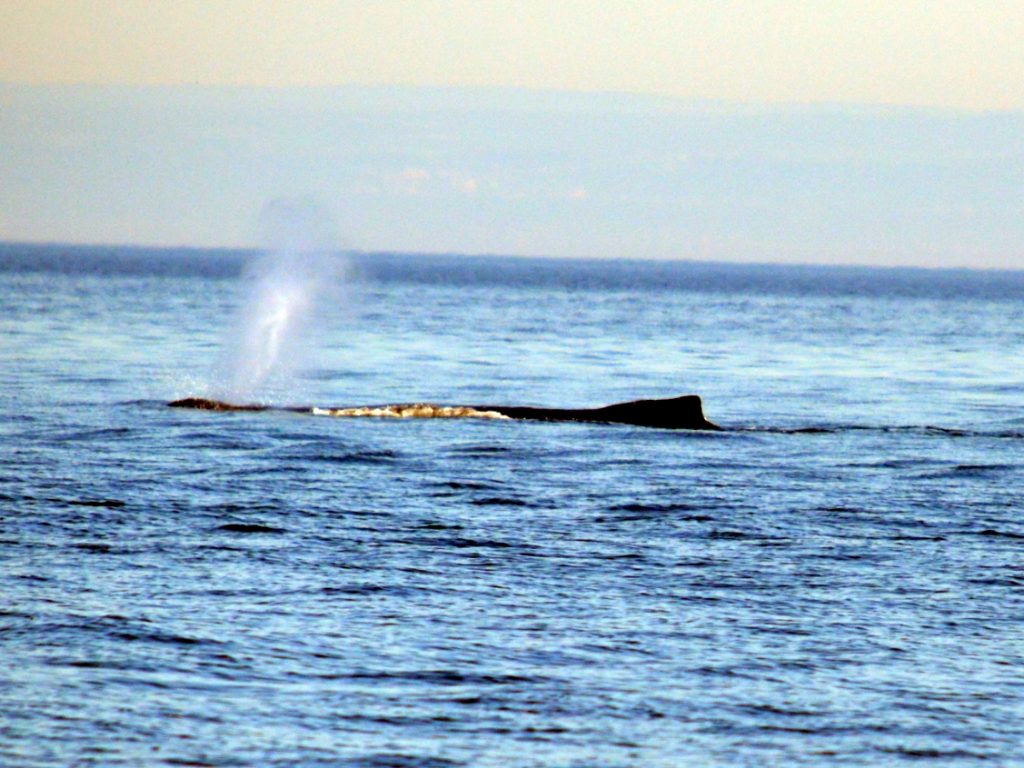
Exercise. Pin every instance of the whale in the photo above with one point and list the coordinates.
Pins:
(684, 412)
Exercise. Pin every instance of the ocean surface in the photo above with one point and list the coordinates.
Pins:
(836, 579)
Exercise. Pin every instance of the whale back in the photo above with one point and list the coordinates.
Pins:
(206, 404)
(684, 412)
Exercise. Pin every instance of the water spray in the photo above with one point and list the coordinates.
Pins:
(285, 288)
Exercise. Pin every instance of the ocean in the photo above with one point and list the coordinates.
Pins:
(837, 578)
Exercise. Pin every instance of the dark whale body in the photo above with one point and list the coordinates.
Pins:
(684, 412)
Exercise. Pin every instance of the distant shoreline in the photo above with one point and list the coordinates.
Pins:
(9, 249)
(472, 271)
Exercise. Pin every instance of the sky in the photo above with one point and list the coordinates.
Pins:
(955, 53)
(867, 132)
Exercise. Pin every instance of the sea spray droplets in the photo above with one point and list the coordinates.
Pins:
(278, 306)
(285, 287)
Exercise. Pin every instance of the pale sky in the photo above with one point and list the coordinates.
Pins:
(836, 131)
(966, 54)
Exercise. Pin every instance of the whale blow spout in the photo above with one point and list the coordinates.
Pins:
(684, 412)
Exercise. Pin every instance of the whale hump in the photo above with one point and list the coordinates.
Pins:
(684, 412)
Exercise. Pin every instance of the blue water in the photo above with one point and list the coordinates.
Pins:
(836, 580)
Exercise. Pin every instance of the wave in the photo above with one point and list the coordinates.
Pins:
(924, 430)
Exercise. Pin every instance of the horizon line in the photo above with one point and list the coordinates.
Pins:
(242, 251)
